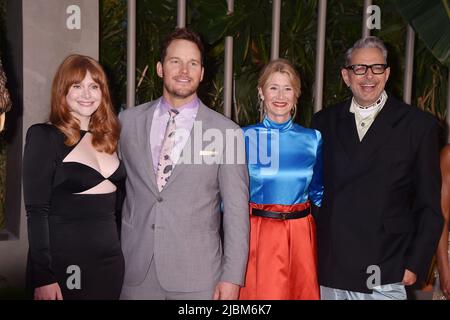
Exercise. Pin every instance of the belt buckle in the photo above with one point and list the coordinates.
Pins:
(283, 215)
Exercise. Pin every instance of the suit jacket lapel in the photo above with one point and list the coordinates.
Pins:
(189, 147)
(143, 127)
(380, 130)
(346, 131)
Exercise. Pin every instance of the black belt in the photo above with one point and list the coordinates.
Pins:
(281, 215)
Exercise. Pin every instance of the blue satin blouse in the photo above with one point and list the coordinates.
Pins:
(284, 162)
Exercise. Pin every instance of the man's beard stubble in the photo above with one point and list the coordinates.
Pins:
(180, 94)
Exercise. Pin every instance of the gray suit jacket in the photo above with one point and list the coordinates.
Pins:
(180, 227)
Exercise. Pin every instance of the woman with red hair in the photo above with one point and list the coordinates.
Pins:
(71, 175)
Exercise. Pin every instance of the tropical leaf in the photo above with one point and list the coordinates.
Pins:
(113, 46)
(431, 20)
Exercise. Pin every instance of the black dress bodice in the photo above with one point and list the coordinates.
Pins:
(67, 228)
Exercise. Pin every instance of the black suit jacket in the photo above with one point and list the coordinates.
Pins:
(381, 204)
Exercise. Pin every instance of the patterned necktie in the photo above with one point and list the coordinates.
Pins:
(165, 164)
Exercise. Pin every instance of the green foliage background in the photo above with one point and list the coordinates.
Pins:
(250, 25)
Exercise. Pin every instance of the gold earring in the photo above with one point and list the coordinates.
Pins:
(293, 111)
(262, 110)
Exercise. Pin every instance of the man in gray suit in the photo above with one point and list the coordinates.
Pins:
(180, 170)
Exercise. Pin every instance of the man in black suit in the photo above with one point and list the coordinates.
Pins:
(380, 218)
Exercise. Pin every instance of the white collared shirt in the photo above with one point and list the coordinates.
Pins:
(184, 122)
(365, 116)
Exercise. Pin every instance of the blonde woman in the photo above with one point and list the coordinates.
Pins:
(285, 168)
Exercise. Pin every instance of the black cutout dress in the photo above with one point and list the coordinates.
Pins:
(73, 238)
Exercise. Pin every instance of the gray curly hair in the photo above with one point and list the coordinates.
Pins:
(368, 42)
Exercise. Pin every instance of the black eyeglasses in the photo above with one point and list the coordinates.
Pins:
(360, 69)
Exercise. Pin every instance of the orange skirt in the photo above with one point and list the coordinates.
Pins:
(282, 263)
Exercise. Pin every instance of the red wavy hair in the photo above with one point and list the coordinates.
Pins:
(104, 125)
